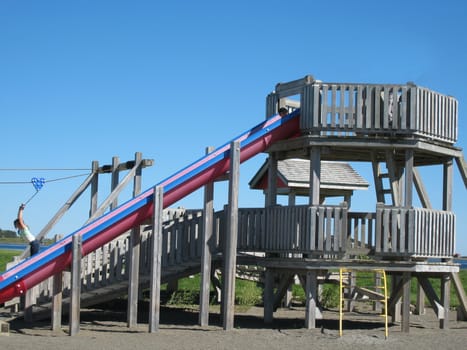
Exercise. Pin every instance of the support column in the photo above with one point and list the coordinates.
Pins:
(206, 251)
(156, 258)
(57, 287)
(311, 294)
(75, 303)
(445, 300)
(447, 185)
(114, 180)
(230, 256)
(268, 297)
(135, 238)
(315, 175)
(408, 195)
(94, 188)
(271, 193)
(405, 324)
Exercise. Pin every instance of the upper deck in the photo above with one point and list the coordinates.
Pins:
(368, 110)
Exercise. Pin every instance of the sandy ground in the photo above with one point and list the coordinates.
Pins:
(104, 329)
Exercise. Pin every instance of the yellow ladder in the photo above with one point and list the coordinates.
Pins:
(379, 294)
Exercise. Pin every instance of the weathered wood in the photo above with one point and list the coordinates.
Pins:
(156, 262)
(230, 256)
(74, 322)
(434, 300)
(134, 253)
(206, 234)
(445, 299)
(460, 295)
(311, 296)
(268, 297)
(405, 324)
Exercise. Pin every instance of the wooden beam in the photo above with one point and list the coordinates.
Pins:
(134, 255)
(105, 204)
(462, 166)
(445, 299)
(460, 294)
(405, 324)
(156, 259)
(315, 175)
(432, 297)
(311, 295)
(57, 297)
(74, 322)
(230, 256)
(271, 193)
(447, 185)
(268, 296)
(206, 234)
(408, 195)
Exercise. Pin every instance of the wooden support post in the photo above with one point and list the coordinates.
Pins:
(230, 256)
(114, 180)
(94, 188)
(271, 193)
(57, 287)
(29, 302)
(311, 294)
(268, 297)
(206, 235)
(445, 300)
(409, 178)
(135, 238)
(447, 185)
(315, 175)
(75, 303)
(156, 258)
(405, 324)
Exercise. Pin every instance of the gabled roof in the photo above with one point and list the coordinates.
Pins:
(337, 178)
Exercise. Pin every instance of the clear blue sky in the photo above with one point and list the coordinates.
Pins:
(89, 80)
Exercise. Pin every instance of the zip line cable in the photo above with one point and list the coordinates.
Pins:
(43, 169)
(52, 180)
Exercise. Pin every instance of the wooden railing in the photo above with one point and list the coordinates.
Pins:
(367, 109)
(414, 232)
(328, 232)
(298, 229)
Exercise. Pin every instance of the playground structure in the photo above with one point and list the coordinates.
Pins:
(403, 127)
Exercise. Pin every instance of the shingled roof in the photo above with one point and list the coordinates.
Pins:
(337, 178)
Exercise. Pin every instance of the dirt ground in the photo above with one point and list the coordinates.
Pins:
(106, 329)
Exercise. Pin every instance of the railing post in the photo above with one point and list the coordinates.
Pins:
(57, 286)
(230, 256)
(75, 297)
(206, 235)
(134, 252)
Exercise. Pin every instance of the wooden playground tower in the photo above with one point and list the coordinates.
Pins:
(396, 128)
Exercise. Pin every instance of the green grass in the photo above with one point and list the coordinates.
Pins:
(6, 256)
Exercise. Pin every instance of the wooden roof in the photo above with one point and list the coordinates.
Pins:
(337, 178)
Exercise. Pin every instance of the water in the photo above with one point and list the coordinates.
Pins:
(18, 246)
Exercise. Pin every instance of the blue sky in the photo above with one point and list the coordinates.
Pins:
(89, 80)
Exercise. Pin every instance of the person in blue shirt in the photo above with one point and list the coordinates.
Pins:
(23, 232)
